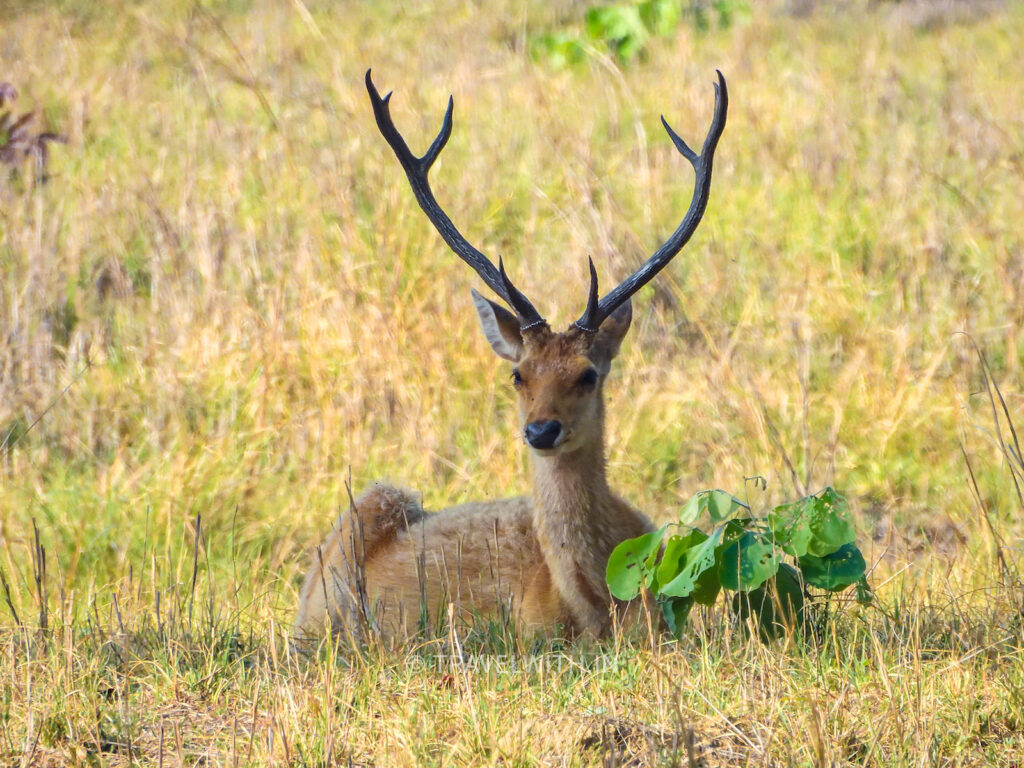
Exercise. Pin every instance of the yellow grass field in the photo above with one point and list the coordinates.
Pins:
(223, 304)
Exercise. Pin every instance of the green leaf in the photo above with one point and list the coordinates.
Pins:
(831, 526)
(681, 580)
(706, 590)
(717, 505)
(749, 561)
(691, 510)
(790, 523)
(676, 610)
(721, 506)
(776, 606)
(674, 556)
(835, 571)
(816, 525)
(734, 529)
(631, 564)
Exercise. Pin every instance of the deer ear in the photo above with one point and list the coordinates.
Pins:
(501, 328)
(609, 336)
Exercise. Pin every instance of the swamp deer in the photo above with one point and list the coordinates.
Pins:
(540, 559)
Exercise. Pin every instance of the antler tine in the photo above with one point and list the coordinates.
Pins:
(528, 316)
(596, 312)
(416, 169)
(592, 294)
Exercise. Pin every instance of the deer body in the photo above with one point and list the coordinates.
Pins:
(539, 559)
(490, 560)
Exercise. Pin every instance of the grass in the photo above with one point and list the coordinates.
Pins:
(224, 302)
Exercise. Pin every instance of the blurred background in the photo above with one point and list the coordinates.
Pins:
(219, 298)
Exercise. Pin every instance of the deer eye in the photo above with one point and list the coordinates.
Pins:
(587, 379)
(517, 380)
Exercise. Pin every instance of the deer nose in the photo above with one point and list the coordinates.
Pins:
(543, 434)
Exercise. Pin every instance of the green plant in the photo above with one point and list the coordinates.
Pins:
(743, 554)
(722, 13)
(560, 49)
(621, 27)
(626, 28)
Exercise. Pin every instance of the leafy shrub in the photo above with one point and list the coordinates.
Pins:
(743, 554)
(621, 27)
(626, 28)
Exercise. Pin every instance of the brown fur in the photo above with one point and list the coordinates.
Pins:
(538, 560)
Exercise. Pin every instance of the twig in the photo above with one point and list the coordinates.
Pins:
(7, 444)
(777, 441)
(250, 80)
(195, 571)
(7, 597)
(39, 574)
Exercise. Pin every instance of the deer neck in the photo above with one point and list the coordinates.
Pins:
(568, 489)
(574, 520)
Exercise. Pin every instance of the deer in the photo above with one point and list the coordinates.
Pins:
(539, 560)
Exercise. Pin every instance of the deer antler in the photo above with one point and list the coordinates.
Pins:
(416, 169)
(597, 311)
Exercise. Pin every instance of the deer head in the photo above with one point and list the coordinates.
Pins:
(558, 376)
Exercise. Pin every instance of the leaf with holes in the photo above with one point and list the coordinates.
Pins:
(790, 524)
(831, 526)
(743, 552)
(631, 564)
(681, 579)
(749, 561)
(676, 550)
(675, 558)
(706, 590)
(816, 525)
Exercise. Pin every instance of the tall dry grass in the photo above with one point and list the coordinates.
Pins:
(224, 300)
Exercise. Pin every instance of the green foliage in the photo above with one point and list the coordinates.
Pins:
(625, 29)
(835, 571)
(776, 606)
(560, 49)
(744, 554)
(630, 564)
(816, 525)
(621, 27)
(749, 562)
(723, 13)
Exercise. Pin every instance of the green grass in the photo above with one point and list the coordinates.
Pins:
(225, 301)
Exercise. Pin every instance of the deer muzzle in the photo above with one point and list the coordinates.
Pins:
(543, 435)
